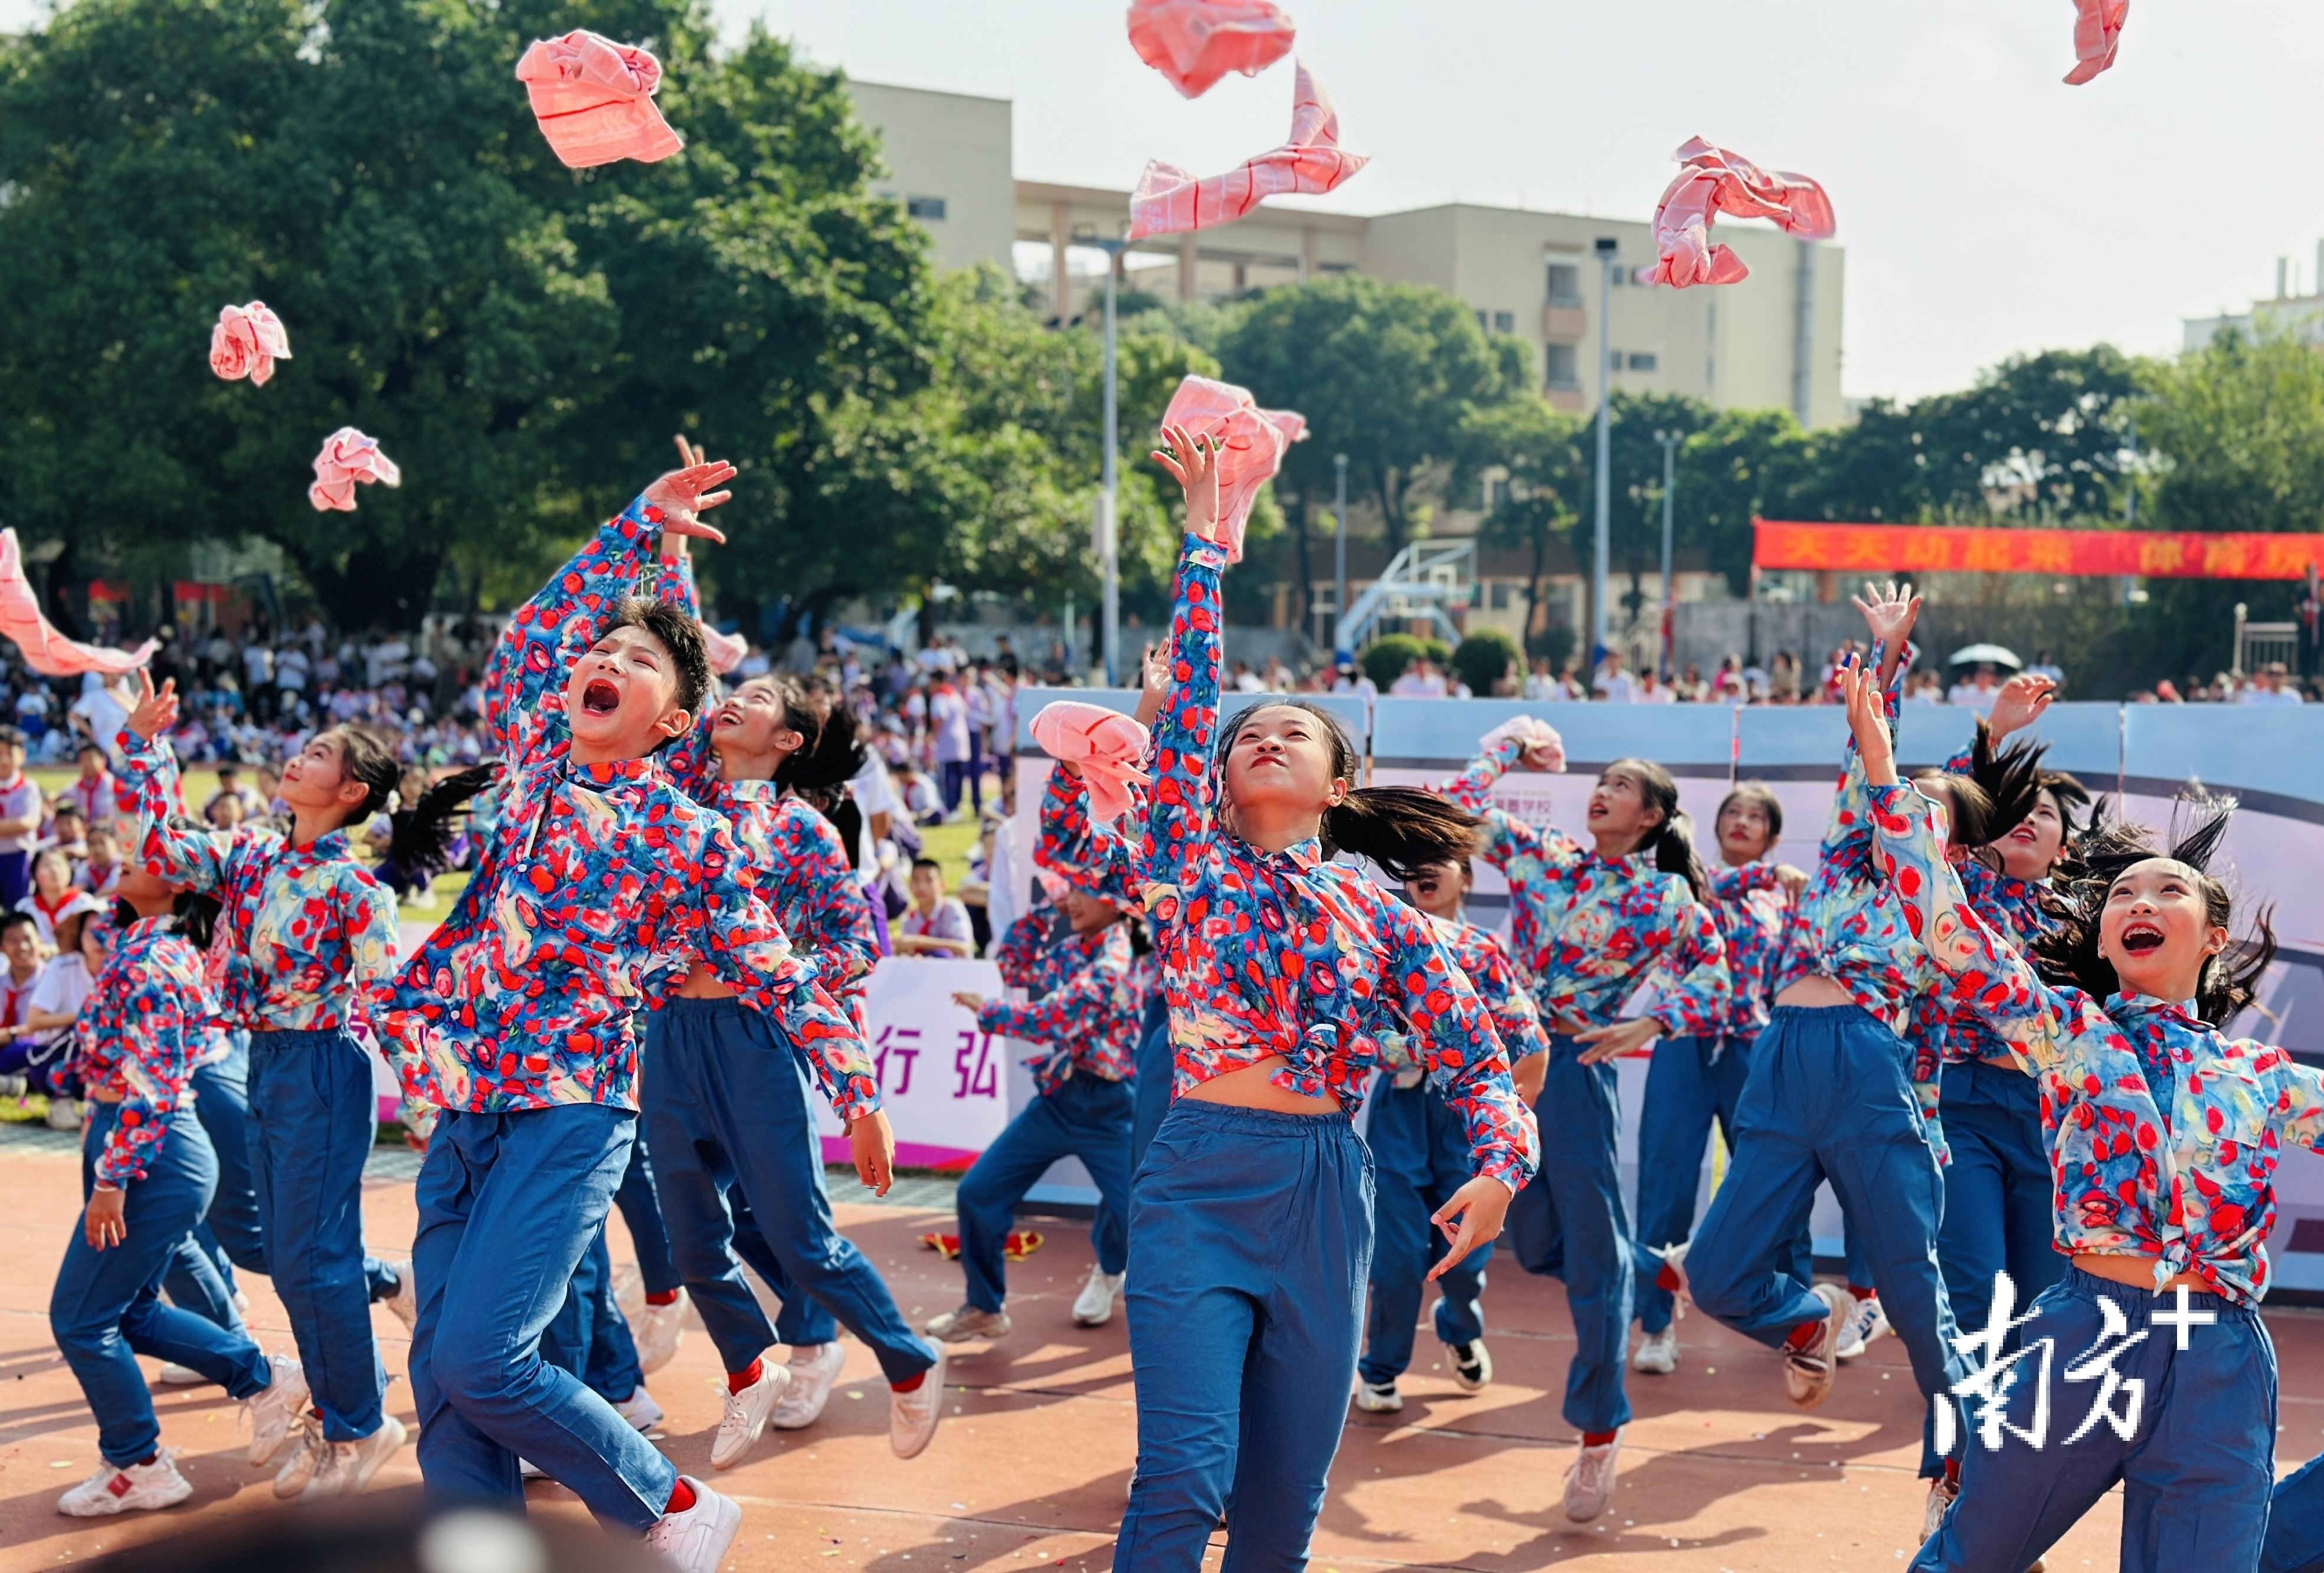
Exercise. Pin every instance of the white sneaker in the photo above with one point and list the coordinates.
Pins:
(405, 1301)
(1941, 1493)
(307, 1453)
(1657, 1354)
(273, 1412)
(140, 1488)
(696, 1541)
(658, 1332)
(175, 1376)
(912, 1416)
(814, 1367)
(1590, 1481)
(1473, 1365)
(1867, 1323)
(348, 1467)
(957, 1326)
(641, 1411)
(745, 1416)
(1378, 1397)
(1094, 1306)
(64, 1113)
(630, 1292)
(1807, 1372)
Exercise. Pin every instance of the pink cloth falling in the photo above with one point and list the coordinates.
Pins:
(246, 342)
(1713, 181)
(347, 458)
(46, 650)
(1170, 201)
(1194, 43)
(2098, 34)
(1253, 443)
(725, 650)
(1108, 746)
(594, 98)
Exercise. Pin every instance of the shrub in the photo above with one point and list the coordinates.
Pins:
(1484, 659)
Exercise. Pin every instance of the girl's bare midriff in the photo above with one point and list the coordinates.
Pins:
(1814, 993)
(1249, 1088)
(702, 983)
(2137, 1273)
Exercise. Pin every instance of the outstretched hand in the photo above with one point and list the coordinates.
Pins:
(1889, 612)
(1194, 463)
(2023, 700)
(155, 711)
(1479, 1206)
(1868, 718)
(685, 494)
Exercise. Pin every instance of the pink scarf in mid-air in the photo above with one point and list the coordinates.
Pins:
(1194, 43)
(2098, 34)
(1714, 182)
(246, 342)
(1170, 201)
(1252, 440)
(46, 650)
(348, 457)
(1109, 747)
(725, 650)
(594, 98)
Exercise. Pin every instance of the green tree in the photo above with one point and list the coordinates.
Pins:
(1539, 450)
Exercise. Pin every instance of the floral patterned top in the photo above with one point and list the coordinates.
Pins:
(143, 1025)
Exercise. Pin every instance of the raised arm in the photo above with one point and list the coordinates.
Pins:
(149, 773)
(1181, 801)
(1095, 857)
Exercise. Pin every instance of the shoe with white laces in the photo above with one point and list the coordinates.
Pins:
(275, 1410)
(139, 1488)
(696, 1541)
(1379, 1397)
(1808, 1373)
(405, 1301)
(814, 1367)
(175, 1376)
(1658, 1353)
(659, 1332)
(1094, 1306)
(744, 1419)
(1941, 1493)
(957, 1326)
(912, 1416)
(641, 1411)
(1473, 1365)
(1590, 1481)
(308, 1451)
(1865, 1325)
(348, 1467)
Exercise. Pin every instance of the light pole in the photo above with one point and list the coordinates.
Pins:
(1109, 546)
(1339, 549)
(1669, 441)
(1606, 247)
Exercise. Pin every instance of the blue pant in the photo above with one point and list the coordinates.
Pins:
(1691, 1082)
(729, 1105)
(2195, 1473)
(1421, 1155)
(1570, 1223)
(1254, 1238)
(1083, 1117)
(1826, 1098)
(508, 1206)
(229, 1237)
(1157, 1062)
(2295, 1523)
(1999, 1198)
(106, 1310)
(588, 1336)
(639, 1200)
(312, 1118)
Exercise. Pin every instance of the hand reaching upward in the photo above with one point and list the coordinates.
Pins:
(683, 494)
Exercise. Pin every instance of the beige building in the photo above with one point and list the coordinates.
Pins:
(949, 162)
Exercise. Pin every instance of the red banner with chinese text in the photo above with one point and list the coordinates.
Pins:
(1944, 548)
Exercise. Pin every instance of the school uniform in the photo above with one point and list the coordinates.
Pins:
(1586, 929)
(2165, 1135)
(600, 884)
(1252, 1230)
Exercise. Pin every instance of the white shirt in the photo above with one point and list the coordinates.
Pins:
(1978, 699)
(1413, 686)
(874, 794)
(62, 987)
(1618, 687)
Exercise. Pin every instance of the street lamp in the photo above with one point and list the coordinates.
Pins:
(1669, 441)
(1606, 248)
(1107, 532)
(1339, 549)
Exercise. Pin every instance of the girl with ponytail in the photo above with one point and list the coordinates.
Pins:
(1587, 925)
(1251, 1216)
(2165, 1134)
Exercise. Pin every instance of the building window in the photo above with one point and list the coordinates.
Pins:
(1560, 365)
(1565, 283)
(1642, 362)
(1484, 323)
(925, 206)
(1505, 322)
